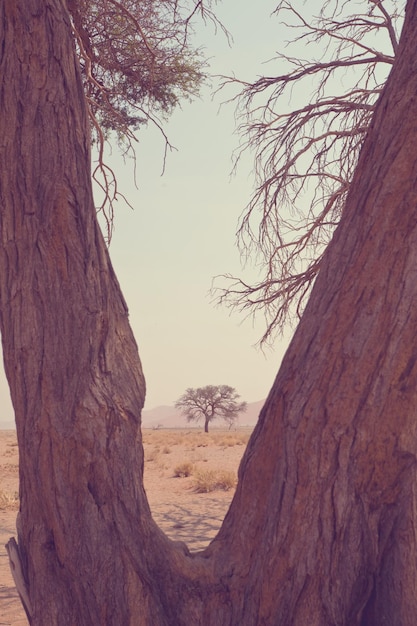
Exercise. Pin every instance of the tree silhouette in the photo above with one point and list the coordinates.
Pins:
(209, 403)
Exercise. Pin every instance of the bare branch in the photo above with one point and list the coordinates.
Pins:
(305, 154)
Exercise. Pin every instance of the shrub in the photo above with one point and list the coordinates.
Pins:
(183, 469)
(9, 500)
(205, 481)
(226, 480)
(212, 480)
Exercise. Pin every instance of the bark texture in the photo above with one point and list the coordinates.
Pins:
(322, 529)
(70, 357)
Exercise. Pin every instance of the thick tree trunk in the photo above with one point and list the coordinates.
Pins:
(70, 357)
(332, 461)
(322, 529)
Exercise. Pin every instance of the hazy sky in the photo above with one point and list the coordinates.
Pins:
(181, 232)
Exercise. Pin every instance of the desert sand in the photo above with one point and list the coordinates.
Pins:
(188, 508)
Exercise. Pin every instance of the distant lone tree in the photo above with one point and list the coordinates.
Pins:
(209, 403)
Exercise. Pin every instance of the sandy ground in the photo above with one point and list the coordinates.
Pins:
(180, 510)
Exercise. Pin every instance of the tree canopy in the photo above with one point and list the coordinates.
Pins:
(209, 403)
(138, 61)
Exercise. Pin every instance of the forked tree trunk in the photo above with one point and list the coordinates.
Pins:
(322, 529)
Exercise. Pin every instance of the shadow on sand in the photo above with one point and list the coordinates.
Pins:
(196, 526)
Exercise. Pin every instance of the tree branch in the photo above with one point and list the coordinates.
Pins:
(304, 155)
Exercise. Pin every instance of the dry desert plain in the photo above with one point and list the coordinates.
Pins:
(190, 479)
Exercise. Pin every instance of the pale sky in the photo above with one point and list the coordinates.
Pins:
(181, 232)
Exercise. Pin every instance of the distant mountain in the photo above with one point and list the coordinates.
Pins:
(250, 417)
(164, 416)
(169, 417)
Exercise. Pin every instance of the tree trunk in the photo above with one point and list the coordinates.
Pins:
(332, 461)
(70, 357)
(206, 424)
(321, 530)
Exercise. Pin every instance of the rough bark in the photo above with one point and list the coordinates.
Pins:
(322, 528)
(333, 458)
(70, 357)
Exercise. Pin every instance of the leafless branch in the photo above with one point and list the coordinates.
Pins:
(305, 154)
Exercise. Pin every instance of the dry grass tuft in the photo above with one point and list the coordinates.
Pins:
(195, 438)
(226, 480)
(214, 480)
(233, 439)
(9, 500)
(184, 469)
(151, 454)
